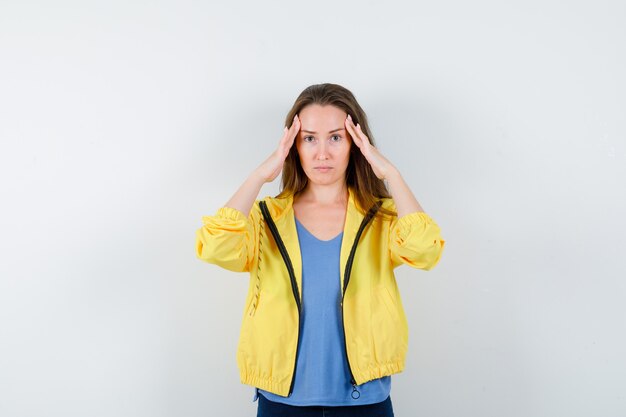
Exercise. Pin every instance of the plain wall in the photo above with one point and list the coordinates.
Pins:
(122, 123)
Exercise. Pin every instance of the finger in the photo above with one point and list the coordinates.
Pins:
(356, 138)
(293, 131)
(361, 134)
(293, 122)
(351, 123)
(288, 132)
(296, 128)
(364, 139)
(285, 137)
(295, 125)
(350, 127)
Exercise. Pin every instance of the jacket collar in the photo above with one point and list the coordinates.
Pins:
(281, 210)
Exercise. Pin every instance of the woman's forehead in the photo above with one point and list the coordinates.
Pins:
(316, 118)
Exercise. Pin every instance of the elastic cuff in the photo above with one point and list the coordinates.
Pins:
(411, 218)
(227, 213)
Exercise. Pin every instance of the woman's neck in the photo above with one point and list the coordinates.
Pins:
(325, 194)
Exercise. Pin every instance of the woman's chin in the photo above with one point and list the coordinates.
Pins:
(323, 180)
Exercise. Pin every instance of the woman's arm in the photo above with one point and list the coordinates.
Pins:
(229, 238)
(245, 196)
(414, 237)
(401, 193)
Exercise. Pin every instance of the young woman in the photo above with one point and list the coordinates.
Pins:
(323, 324)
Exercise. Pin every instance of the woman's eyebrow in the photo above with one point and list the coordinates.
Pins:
(332, 131)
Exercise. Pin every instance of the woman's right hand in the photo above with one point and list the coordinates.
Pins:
(272, 166)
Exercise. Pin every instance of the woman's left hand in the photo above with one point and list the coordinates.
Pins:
(381, 165)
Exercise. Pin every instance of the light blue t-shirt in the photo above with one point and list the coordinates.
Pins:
(322, 374)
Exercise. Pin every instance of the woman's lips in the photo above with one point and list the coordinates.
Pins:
(323, 169)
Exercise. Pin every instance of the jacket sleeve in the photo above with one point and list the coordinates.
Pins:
(415, 239)
(228, 239)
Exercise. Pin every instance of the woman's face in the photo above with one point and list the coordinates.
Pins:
(323, 143)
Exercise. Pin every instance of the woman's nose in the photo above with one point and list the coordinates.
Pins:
(321, 151)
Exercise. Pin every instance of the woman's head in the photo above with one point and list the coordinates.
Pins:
(323, 144)
(323, 108)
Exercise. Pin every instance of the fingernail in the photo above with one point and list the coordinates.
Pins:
(349, 117)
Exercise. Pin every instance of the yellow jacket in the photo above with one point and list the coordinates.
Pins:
(375, 325)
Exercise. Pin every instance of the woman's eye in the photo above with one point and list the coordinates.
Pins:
(334, 138)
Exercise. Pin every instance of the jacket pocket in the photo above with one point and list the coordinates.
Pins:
(389, 301)
(253, 304)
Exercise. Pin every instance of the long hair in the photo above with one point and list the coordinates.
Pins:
(360, 176)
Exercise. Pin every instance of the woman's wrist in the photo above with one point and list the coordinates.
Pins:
(257, 177)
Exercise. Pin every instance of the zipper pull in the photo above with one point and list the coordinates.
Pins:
(356, 394)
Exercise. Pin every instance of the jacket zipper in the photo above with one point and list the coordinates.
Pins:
(292, 276)
(294, 285)
(355, 392)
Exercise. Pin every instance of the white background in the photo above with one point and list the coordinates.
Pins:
(122, 123)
